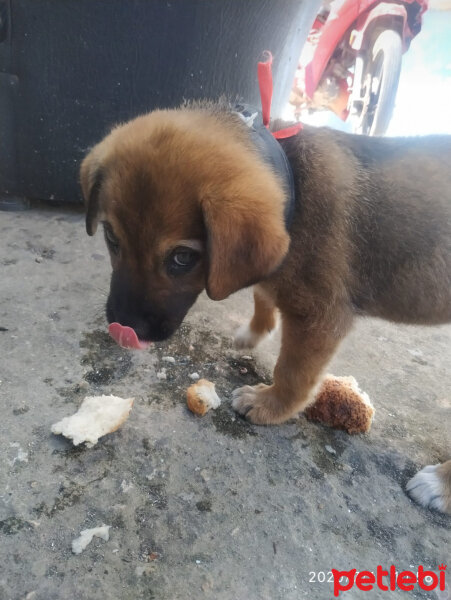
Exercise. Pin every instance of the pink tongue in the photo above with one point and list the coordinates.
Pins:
(126, 337)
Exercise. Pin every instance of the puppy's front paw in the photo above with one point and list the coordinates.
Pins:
(259, 404)
(429, 489)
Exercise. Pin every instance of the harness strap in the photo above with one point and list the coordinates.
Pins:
(264, 73)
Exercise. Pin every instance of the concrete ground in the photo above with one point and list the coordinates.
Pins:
(209, 508)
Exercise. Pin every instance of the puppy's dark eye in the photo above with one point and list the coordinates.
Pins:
(182, 260)
(111, 239)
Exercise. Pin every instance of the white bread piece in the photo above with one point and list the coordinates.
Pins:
(201, 396)
(80, 543)
(97, 416)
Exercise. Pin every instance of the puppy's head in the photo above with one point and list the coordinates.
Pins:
(185, 204)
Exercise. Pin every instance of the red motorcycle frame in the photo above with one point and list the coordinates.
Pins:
(352, 60)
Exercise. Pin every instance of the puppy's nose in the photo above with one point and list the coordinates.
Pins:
(142, 328)
(151, 327)
(157, 327)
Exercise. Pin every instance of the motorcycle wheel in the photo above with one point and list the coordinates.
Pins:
(382, 76)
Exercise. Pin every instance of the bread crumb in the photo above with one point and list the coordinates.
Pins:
(80, 543)
(126, 487)
(97, 416)
(201, 396)
(342, 405)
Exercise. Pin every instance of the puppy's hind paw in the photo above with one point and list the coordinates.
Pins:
(429, 489)
(245, 337)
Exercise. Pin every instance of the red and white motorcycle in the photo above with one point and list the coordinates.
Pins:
(351, 61)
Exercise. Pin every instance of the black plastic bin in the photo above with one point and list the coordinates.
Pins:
(69, 69)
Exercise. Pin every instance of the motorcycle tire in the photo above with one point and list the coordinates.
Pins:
(385, 58)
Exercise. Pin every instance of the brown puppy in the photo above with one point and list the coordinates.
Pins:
(188, 203)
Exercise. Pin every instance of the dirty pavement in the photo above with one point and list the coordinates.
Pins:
(208, 507)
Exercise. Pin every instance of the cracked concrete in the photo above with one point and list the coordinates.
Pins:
(199, 508)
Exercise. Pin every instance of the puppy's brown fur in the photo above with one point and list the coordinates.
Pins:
(371, 235)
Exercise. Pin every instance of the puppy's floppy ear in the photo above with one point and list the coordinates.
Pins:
(246, 240)
(91, 178)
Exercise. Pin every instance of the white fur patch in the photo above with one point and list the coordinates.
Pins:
(246, 338)
(427, 488)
